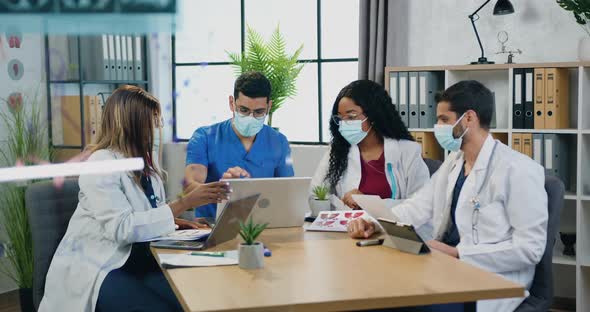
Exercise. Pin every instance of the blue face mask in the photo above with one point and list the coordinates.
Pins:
(446, 139)
(247, 126)
(352, 131)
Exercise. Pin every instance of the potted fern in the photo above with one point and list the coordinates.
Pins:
(251, 253)
(271, 59)
(581, 11)
(320, 201)
(26, 143)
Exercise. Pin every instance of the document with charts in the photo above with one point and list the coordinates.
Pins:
(334, 221)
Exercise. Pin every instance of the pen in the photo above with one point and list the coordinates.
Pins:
(371, 242)
(207, 254)
(267, 252)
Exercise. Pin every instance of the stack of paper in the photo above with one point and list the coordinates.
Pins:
(189, 260)
(184, 235)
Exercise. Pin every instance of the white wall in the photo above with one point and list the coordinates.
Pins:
(439, 32)
(31, 54)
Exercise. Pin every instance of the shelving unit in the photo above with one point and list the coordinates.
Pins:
(576, 212)
(71, 82)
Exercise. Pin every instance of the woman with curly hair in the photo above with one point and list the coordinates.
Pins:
(371, 151)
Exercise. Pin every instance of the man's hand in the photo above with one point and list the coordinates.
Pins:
(183, 224)
(235, 173)
(444, 248)
(361, 228)
(348, 201)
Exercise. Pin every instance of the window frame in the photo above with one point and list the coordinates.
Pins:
(319, 61)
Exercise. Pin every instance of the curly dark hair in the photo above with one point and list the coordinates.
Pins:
(381, 113)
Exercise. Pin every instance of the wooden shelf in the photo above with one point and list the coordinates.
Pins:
(99, 81)
(556, 131)
(484, 67)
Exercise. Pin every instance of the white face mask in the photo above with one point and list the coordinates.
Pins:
(446, 139)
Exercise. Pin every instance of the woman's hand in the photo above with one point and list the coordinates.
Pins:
(361, 228)
(183, 224)
(197, 194)
(348, 201)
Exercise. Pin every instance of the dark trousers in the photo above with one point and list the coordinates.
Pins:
(139, 285)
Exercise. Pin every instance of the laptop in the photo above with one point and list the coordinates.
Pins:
(226, 228)
(283, 202)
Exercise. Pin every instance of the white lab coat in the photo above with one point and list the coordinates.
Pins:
(512, 220)
(112, 214)
(409, 169)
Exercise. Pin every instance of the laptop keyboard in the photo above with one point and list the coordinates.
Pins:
(195, 244)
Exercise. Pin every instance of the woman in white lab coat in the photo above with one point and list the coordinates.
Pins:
(487, 203)
(102, 262)
(371, 152)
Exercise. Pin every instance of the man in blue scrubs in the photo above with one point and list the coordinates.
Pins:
(240, 147)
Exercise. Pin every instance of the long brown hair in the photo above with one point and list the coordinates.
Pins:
(128, 122)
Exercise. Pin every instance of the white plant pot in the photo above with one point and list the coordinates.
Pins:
(251, 256)
(318, 206)
(584, 49)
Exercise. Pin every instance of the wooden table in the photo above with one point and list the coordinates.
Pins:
(313, 271)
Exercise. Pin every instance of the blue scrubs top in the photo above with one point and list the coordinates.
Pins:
(218, 148)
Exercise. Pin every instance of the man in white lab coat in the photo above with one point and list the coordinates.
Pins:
(487, 202)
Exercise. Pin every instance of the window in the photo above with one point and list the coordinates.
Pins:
(203, 78)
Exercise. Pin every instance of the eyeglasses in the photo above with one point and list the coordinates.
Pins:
(257, 113)
(474, 220)
(348, 118)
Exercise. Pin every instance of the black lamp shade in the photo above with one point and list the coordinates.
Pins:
(503, 7)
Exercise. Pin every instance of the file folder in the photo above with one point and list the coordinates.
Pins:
(430, 147)
(556, 158)
(430, 84)
(403, 98)
(557, 98)
(502, 137)
(529, 101)
(106, 72)
(124, 61)
(118, 58)
(393, 87)
(517, 142)
(95, 61)
(527, 144)
(112, 58)
(539, 119)
(72, 120)
(493, 124)
(538, 149)
(517, 99)
(92, 104)
(138, 63)
(414, 118)
(130, 69)
(419, 136)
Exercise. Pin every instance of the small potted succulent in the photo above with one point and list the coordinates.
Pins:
(251, 254)
(320, 201)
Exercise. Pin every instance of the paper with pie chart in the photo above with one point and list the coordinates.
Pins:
(334, 221)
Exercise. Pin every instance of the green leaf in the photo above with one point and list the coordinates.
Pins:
(271, 59)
